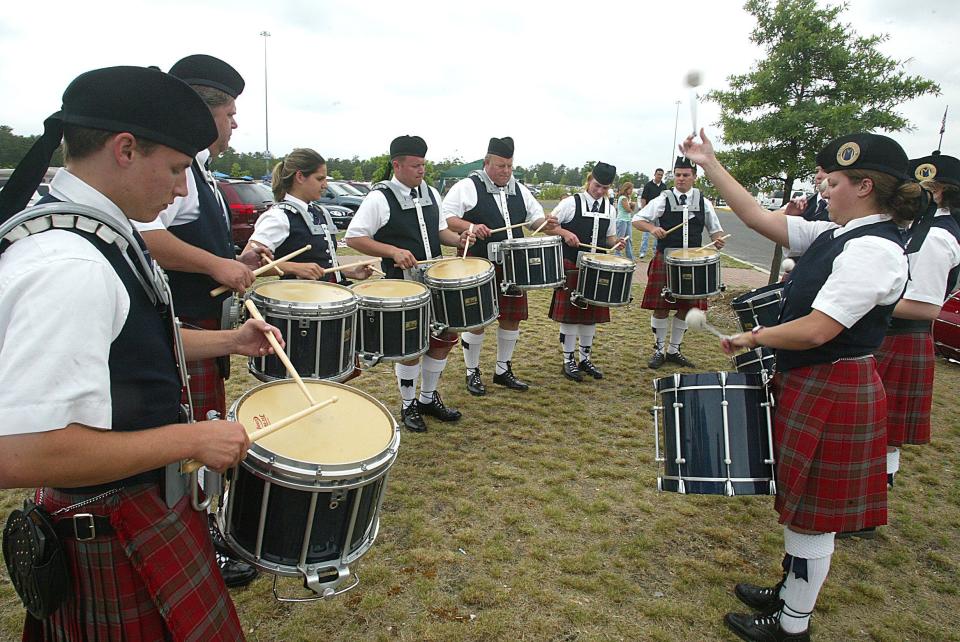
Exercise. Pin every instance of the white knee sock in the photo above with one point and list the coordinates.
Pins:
(407, 382)
(676, 334)
(659, 331)
(506, 342)
(587, 332)
(568, 340)
(893, 460)
(430, 377)
(800, 596)
(471, 350)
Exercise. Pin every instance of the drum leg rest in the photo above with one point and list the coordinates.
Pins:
(369, 359)
(729, 488)
(321, 590)
(773, 487)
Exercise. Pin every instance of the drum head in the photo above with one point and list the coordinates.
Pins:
(608, 260)
(692, 253)
(354, 429)
(389, 289)
(456, 269)
(303, 291)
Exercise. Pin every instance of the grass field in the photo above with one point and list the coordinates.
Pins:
(536, 517)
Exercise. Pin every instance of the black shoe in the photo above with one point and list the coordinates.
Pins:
(411, 418)
(235, 573)
(510, 380)
(863, 533)
(436, 409)
(587, 366)
(762, 627)
(571, 370)
(679, 359)
(475, 384)
(656, 360)
(759, 598)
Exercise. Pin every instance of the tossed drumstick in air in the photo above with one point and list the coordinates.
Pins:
(266, 268)
(714, 242)
(278, 349)
(697, 320)
(191, 465)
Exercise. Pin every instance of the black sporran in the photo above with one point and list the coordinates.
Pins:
(35, 560)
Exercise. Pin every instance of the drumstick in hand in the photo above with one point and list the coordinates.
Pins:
(595, 247)
(255, 313)
(265, 268)
(466, 245)
(191, 465)
(722, 238)
(676, 227)
(542, 225)
(345, 266)
(697, 320)
(507, 227)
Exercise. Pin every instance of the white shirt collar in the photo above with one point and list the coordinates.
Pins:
(860, 222)
(202, 156)
(406, 188)
(679, 193)
(290, 198)
(67, 187)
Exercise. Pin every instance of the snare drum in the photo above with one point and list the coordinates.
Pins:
(759, 307)
(604, 279)
(692, 273)
(946, 329)
(717, 434)
(530, 263)
(316, 320)
(393, 319)
(758, 360)
(306, 500)
(464, 293)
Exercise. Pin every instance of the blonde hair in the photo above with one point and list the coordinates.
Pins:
(301, 159)
(625, 188)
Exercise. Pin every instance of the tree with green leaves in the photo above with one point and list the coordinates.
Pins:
(818, 79)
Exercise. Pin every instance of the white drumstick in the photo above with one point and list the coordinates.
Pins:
(697, 320)
(693, 80)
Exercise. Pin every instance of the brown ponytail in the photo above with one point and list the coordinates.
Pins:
(301, 159)
(903, 200)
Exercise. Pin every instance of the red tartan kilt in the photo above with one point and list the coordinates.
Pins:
(206, 384)
(905, 365)
(512, 308)
(830, 446)
(446, 340)
(156, 578)
(656, 281)
(565, 312)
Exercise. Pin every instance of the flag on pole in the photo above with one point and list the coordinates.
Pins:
(943, 123)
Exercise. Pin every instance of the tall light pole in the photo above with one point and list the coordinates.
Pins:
(266, 113)
(673, 150)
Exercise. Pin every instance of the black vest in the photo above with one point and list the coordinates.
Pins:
(487, 212)
(403, 230)
(191, 290)
(809, 276)
(810, 212)
(300, 235)
(582, 226)
(145, 386)
(672, 217)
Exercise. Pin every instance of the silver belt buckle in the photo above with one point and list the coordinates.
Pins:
(91, 527)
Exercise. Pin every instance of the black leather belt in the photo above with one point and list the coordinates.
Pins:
(907, 326)
(83, 527)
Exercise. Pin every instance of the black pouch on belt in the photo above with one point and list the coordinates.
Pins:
(35, 560)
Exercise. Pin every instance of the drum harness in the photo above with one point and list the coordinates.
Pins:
(575, 299)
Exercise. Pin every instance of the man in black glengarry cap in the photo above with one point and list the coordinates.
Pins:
(92, 414)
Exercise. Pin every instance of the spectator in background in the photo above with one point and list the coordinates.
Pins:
(650, 191)
(625, 209)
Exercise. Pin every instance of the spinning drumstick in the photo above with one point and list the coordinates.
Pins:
(722, 238)
(265, 268)
(255, 313)
(190, 465)
(697, 320)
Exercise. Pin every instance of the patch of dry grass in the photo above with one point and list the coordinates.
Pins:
(536, 517)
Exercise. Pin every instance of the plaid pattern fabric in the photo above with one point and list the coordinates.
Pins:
(565, 312)
(830, 446)
(206, 383)
(156, 578)
(512, 308)
(905, 365)
(445, 340)
(656, 281)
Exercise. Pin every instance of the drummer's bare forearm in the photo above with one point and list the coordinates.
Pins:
(805, 333)
(449, 238)
(207, 344)
(916, 310)
(366, 245)
(457, 224)
(644, 226)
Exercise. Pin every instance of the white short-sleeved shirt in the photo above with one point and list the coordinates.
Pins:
(183, 209)
(61, 306)
(870, 271)
(653, 210)
(462, 198)
(930, 265)
(374, 212)
(273, 226)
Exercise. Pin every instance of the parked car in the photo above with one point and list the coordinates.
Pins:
(338, 194)
(340, 215)
(247, 200)
(362, 187)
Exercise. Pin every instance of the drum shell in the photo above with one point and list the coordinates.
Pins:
(319, 337)
(946, 328)
(531, 263)
(393, 329)
(693, 278)
(464, 304)
(267, 515)
(759, 307)
(756, 361)
(604, 284)
(700, 414)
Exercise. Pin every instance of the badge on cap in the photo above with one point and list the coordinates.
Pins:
(848, 154)
(926, 172)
